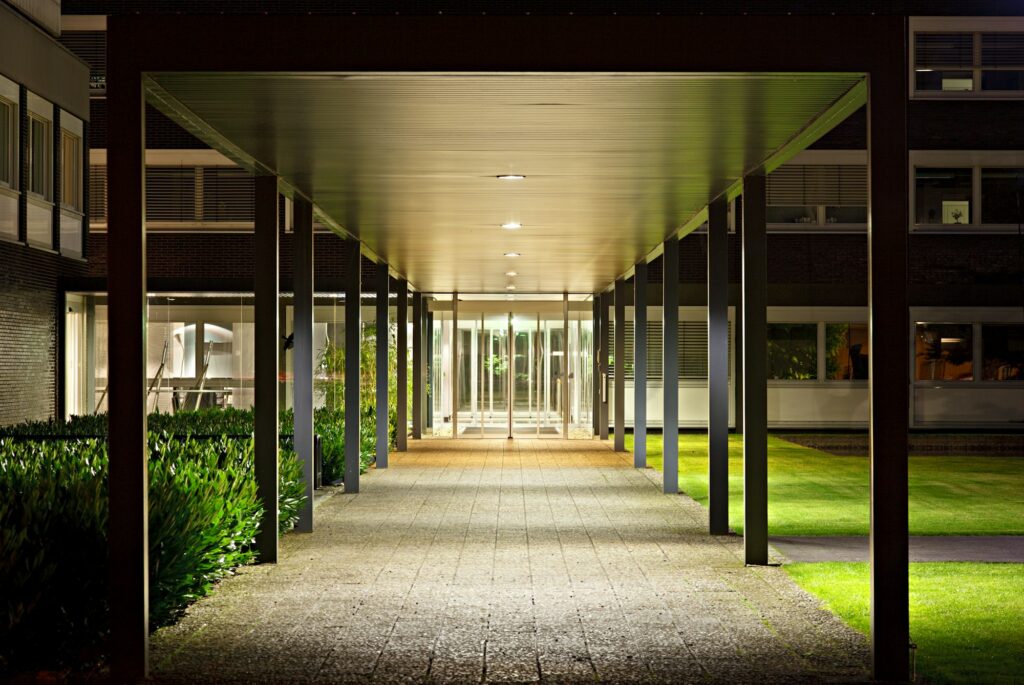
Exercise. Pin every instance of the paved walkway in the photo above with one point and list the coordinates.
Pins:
(509, 561)
(992, 548)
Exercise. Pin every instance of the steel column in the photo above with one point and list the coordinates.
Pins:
(606, 302)
(640, 365)
(428, 366)
(889, 374)
(382, 335)
(737, 374)
(755, 372)
(353, 340)
(402, 374)
(718, 367)
(597, 386)
(417, 365)
(620, 365)
(302, 352)
(128, 483)
(455, 367)
(670, 364)
(267, 343)
(566, 365)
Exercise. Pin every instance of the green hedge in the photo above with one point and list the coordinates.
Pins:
(203, 518)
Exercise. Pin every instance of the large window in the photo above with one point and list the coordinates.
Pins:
(944, 351)
(1002, 195)
(968, 57)
(71, 170)
(40, 157)
(819, 196)
(792, 351)
(943, 195)
(967, 189)
(846, 351)
(8, 141)
(1002, 352)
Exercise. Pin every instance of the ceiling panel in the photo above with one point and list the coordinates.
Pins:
(408, 163)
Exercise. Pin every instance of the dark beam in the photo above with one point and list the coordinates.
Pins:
(353, 339)
(417, 365)
(755, 372)
(620, 365)
(402, 372)
(383, 329)
(302, 352)
(890, 366)
(640, 366)
(670, 365)
(718, 368)
(128, 523)
(266, 288)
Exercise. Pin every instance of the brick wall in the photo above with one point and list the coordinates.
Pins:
(30, 311)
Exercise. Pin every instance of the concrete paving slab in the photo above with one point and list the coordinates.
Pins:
(509, 561)
(989, 548)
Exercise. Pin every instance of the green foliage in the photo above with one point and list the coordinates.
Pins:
(792, 351)
(203, 517)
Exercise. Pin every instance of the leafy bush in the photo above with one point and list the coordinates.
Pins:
(204, 514)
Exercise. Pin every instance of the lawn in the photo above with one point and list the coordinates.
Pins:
(814, 493)
(966, 618)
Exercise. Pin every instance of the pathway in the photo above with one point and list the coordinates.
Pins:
(509, 561)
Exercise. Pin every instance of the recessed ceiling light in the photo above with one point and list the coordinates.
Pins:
(510, 177)
(511, 273)
(512, 225)
(512, 254)
(510, 287)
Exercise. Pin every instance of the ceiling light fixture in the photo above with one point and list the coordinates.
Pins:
(511, 273)
(510, 177)
(512, 254)
(512, 225)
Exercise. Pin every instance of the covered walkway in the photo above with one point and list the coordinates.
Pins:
(509, 561)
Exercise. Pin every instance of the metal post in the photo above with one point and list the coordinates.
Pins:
(353, 341)
(417, 365)
(402, 374)
(890, 365)
(267, 344)
(603, 363)
(620, 365)
(718, 367)
(596, 393)
(737, 374)
(455, 365)
(566, 362)
(428, 370)
(640, 366)
(755, 372)
(670, 364)
(128, 523)
(302, 353)
(383, 333)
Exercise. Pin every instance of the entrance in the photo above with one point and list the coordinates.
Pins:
(512, 369)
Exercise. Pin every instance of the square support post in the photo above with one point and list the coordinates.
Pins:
(302, 353)
(353, 340)
(620, 365)
(566, 364)
(128, 522)
(605, 345)
(889, 374)
(755, 371)
(718, 368)
(640, 366)
(417, 365)
(737, 374)
(383, 329)
(670, 365)
(267, 344)
(597, 389)
(428, 366)
(402, 372)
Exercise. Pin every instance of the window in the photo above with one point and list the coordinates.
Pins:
(968, 56)
(8, 142)
(944, 351)
(846, 351)
(71, 170)
(943, 195)
(814, 196)
(170, 194)
(39, 161)
(792, 351)
(1002, 352)
(1002, 195)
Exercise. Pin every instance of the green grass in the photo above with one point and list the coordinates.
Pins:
(966, 618)
(813, 493)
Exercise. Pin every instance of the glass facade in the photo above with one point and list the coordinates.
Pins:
(944, 351)
(846, 349)
(943, 195)
(1002, 352)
